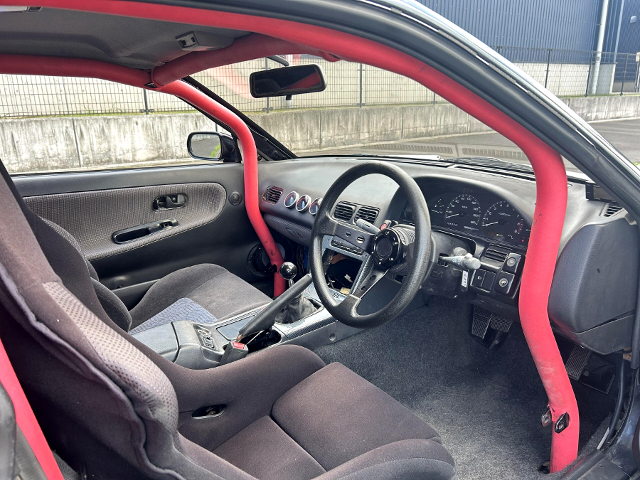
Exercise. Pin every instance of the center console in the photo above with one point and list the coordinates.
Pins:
(199, 346)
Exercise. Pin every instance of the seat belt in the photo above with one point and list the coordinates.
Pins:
(26, 420)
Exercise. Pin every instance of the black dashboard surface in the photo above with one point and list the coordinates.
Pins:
(507, 200)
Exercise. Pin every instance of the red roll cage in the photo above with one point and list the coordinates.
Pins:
(276, 37)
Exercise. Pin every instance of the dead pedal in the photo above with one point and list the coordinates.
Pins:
(577, 361)
(488, 328)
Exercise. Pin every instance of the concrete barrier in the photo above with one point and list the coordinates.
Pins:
(41, 144)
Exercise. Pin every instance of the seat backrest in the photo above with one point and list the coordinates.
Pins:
(105, 406)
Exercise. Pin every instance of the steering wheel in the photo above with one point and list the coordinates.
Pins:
(398, 249)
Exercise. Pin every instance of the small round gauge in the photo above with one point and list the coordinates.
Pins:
(303, 203)
(291, 200)
(315, 206)
(463, 213)
(439, 207)
(502, 222)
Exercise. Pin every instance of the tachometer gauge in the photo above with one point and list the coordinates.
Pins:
(503, 222)
(463, 213)
(438, 207)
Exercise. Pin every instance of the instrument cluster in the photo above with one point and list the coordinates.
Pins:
(477, 215)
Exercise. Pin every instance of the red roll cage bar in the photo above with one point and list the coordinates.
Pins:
(272, 37)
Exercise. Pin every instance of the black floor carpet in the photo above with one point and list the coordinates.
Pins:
(485, 404)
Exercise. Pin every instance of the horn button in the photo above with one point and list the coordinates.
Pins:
(387, 248)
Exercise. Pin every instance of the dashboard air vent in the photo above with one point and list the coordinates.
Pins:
(611, 209)
(496, 253)
(272, 194)
(344, 211)
(367, 213)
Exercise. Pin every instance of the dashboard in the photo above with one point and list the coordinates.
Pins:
(489, 213)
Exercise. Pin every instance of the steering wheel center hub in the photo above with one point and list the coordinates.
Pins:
(387, 248)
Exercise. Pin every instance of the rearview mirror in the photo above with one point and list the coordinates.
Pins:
(280, 82)
(212, 146)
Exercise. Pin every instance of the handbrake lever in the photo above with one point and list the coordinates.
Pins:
(267, 317)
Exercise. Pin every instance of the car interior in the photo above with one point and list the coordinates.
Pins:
(255, 314)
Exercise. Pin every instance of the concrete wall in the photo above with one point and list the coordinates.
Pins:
(40, 144)
(606, 108)
(310, 130)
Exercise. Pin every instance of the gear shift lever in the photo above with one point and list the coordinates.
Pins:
(299, 306)
(267, 317)
(288, 271)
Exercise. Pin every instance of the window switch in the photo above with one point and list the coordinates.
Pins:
(483, 279)
(513, 263)
(505, 282)
(478, 278)
(487, 283)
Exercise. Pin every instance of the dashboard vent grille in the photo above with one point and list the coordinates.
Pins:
(367, 213)
(272, 194)
(496, 253)
(344, 211)
(611, 209)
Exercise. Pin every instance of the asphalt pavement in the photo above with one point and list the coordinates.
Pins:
(623, 134)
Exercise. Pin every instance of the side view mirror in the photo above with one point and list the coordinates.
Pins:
(212, 146)
(280, 82)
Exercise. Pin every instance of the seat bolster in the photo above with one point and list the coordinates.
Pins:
(114, 307)
(248, 388)
(406, 459)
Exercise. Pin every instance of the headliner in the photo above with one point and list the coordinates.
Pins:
(130, 42)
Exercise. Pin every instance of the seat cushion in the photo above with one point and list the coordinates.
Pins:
(211, 287)
(265, 451)
(406, 459)
(336, 415)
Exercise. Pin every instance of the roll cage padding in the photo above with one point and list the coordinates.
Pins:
(243, 48)
(550, 175)
(26, 420)
(191, 95)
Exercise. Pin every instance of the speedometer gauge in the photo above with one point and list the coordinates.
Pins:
(503, 222)
(463, 213)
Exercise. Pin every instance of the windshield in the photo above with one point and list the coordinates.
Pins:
(368, 111)
(68, 124)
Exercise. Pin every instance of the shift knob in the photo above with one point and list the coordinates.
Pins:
(288, 270)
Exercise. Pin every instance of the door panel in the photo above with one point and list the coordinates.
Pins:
(93, 205)
(93, 217)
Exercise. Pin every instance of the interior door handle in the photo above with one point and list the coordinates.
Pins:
(168, 202)
(134, 233)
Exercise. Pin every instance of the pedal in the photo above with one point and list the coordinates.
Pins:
(577, 361)
(488, 328)
(480, 322)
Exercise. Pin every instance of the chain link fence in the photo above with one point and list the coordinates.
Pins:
(563, 72)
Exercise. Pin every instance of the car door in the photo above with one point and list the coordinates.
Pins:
(120, 180)
(188, 206)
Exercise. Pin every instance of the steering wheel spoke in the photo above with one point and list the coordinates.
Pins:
(372, 274)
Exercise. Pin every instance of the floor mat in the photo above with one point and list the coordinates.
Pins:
(485, 404)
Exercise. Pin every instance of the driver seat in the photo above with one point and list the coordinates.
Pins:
(112, 408)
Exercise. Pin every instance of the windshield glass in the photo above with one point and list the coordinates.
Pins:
(368, 111)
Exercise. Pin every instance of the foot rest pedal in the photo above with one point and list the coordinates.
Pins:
(577, 361)
(489, 328)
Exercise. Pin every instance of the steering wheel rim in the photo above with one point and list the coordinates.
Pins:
(324, 224)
